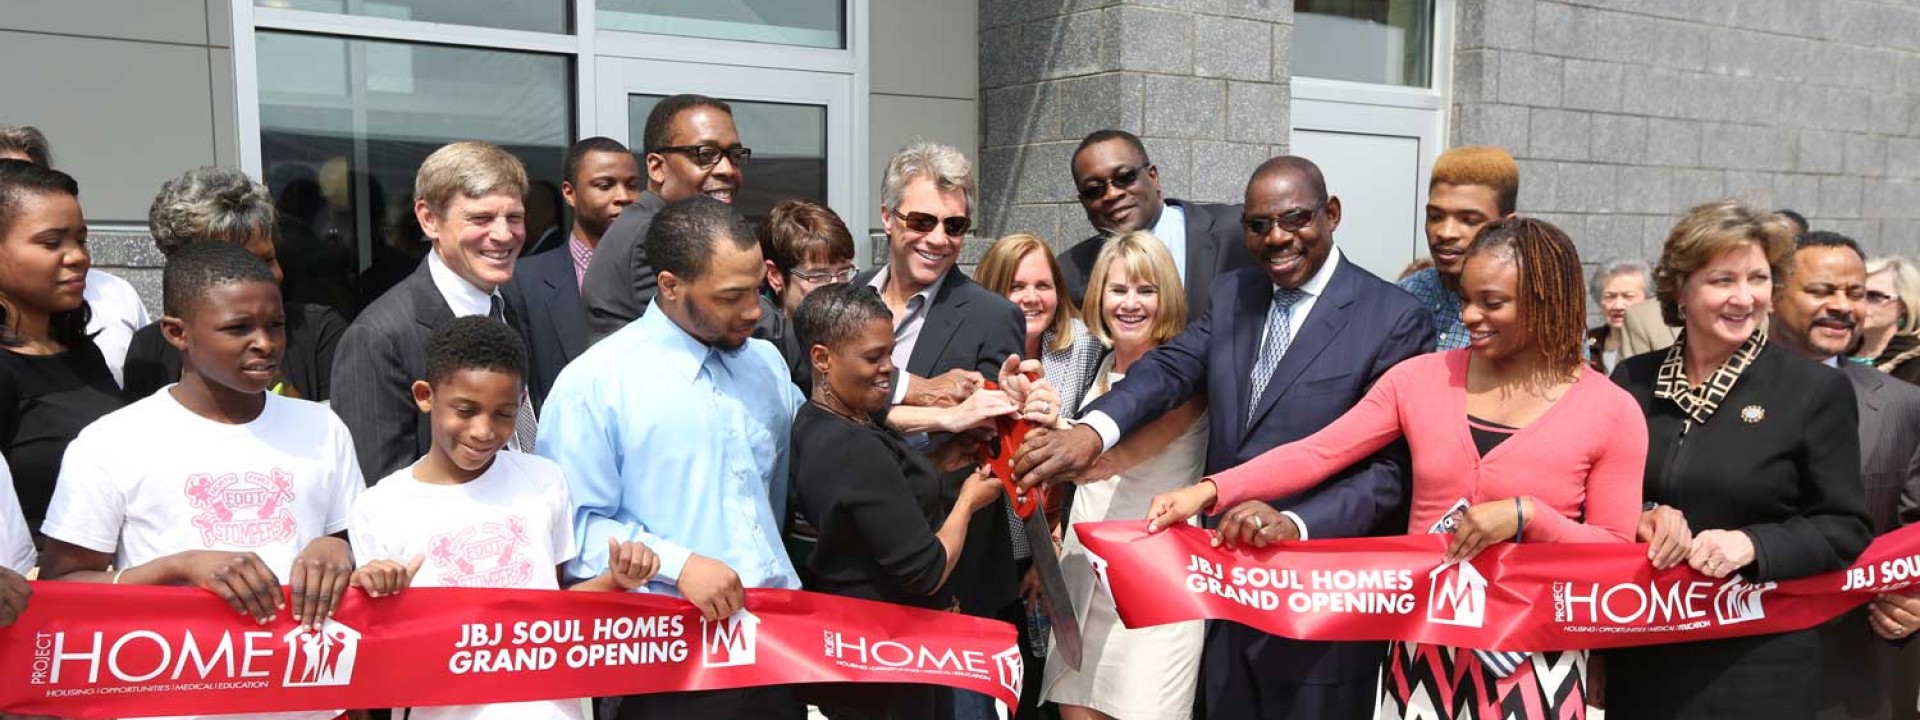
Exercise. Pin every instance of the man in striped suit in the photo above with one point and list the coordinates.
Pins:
(467, 198)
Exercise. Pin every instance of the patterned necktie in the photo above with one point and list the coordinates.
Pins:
(1279, 334)
(525, 424)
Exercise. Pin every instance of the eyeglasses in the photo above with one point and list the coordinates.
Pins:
(923, 223)
(1125, 178)
(1290, 221)
(707, 156)
(827, 277)
(1875, 297)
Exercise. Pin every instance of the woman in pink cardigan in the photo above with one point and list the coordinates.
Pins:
(1513, 438)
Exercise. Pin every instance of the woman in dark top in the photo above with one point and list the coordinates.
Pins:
(53, 381)
(874, 500)
(1753, 469)
(224, 205)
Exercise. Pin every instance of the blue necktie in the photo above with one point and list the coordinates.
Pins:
(1279, 334)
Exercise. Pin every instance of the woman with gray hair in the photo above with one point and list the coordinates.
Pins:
(1890, 327)
(212, 204)
(1616, 287)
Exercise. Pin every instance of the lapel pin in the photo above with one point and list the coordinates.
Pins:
(1752, 414)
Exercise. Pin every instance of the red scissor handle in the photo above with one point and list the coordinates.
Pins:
(997, 454)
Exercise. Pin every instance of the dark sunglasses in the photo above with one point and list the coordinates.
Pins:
(1290, 221)
(707, 156)
(920, 222)
(1124, 179)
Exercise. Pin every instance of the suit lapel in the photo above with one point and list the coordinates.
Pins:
(936, 332)
(563, 309)
(1323, 323)
(1202, 256)
(430, 310)
(1866, 390)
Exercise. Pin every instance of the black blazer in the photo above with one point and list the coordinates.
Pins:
(967, 326)
(382, 353)
(620, 282)
(876, 504)
(1359, 327)
(545, 298)
(1216, 245)
(1780, 460)
(313, 334)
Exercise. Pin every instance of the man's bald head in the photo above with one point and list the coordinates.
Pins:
(1300, 169)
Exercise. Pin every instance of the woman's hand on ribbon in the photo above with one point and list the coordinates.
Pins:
(1664, 529)
(1482, 525)
(1719, 553)
(239, 578)
(381, 578)
(1894, 616)
(1175, 507)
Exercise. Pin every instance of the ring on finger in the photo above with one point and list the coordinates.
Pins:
(1258, 522)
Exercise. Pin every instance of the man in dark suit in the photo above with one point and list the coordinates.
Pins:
(1335, 329)
(602, 179)
(1120, 190)
(691, 149)
(476, 241)
(1817, 303)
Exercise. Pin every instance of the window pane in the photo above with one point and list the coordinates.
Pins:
(345, 123)
(1389, 42)
(809, 23)
(789, 145)
(547, 16)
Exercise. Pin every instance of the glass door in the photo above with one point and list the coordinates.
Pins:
(798, 123)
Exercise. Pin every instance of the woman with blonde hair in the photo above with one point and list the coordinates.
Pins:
(1890, 327)
(1134, 303)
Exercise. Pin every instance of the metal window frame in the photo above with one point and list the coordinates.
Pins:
(587, 46)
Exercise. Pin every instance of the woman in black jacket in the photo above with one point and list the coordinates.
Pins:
(874, 500)
(1753, 469)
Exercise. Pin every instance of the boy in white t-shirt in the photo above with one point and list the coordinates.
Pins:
(471, 514)
(213, 482)
(16, 551)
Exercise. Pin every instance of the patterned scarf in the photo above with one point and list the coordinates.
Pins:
(1699, 403)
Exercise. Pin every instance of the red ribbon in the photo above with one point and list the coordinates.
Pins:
(1511, 597)
(101, 651)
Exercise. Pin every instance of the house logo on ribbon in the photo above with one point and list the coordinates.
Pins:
(1739, 601)
(1457, 595)
(1010, 669)
(730, 641)
(322, 658)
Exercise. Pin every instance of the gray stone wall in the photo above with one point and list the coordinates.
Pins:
(1624, 113)
(1204, 82)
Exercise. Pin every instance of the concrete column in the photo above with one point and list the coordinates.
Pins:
(1206, 83)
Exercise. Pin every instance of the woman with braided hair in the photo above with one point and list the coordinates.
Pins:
(1513, 437)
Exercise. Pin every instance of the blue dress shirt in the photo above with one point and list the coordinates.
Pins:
(1450, 333)
(678, 445)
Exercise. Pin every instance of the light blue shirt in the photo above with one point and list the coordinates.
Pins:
(679, 445)
(1171, 228)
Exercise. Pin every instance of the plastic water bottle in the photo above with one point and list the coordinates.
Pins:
(1039, 629)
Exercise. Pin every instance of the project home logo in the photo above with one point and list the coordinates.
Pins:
(1457, 595)
(730, 641)
(182, 661)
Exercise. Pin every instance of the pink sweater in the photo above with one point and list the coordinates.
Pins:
(1582, 462)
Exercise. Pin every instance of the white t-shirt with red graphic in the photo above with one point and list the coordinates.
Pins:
(508, 528)
(154, 479)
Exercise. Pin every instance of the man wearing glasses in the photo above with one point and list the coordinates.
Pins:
(1120, 190)
(1290, 345)
(691, 149)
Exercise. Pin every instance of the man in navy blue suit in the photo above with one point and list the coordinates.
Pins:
(1286, 347)
(602, 179)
